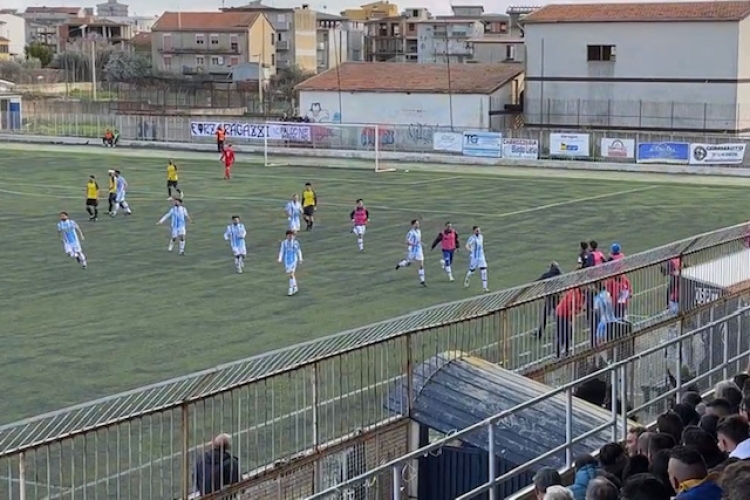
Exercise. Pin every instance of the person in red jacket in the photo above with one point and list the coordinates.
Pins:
(227, 157)
(448, 240)
(621, 290)
(568, 308)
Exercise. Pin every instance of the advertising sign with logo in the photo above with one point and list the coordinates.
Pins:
(525, 149)
(617, 148)
(447, 141)
(663, 152)
(483, 144)
(572, 145)
(253, 131)
(716, 154)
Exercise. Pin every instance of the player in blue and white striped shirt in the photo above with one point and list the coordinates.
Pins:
(179, 218)
(121, 186)
(414, 251)
(71, 236)
(235, 235)
(290, 254)
(475, 247)
(293, 210)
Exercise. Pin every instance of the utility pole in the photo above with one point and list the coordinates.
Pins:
(93, 66)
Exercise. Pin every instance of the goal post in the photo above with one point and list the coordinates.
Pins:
(285, 143)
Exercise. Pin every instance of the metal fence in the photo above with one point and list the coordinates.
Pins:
(412, 138)
(290, 411)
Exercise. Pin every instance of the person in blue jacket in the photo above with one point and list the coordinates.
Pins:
(689, 476)
(587, 468)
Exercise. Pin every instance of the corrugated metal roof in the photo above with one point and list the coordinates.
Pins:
(454, 391)
(723, 272)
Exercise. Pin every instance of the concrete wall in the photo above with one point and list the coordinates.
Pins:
(497, 51)
(332, 48)
(305, 39)
(261, 46)
(469, 111)
(655, 62)
(14, 29)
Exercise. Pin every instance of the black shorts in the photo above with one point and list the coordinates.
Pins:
(92, 202)
(112, 197)
(172, 184)
(309, 210)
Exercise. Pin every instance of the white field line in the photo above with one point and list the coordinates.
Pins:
(304, 410)
(377, 207)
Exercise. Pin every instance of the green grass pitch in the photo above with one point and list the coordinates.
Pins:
(139, 314)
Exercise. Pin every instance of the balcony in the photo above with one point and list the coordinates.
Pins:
(282, 45)
(201, 50)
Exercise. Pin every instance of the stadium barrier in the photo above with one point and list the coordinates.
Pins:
(379, 140)
(298, 413)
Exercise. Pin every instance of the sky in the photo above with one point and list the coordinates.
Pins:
(151, 7)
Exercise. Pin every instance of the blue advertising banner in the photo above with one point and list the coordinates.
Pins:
(484, 144)
(663, 152)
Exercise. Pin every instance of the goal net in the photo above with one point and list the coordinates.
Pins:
(332, 144)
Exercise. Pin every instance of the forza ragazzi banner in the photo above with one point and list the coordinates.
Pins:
(717, 154)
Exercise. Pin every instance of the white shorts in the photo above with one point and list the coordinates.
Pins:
(239, 250)
(477, 264)
(177, 232)
(294, 224)
(415, 255)
(290, 268)
(359, 230)
(119, 197)
(72, 249)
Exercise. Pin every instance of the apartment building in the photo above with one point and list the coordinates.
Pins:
(395, 39)
(296, 33)
(112, 8)
(369, 11)
(42, 23)
(339, 40)
(495, 24)
(75, 31)
(446, 40)
(213, 42)
(13, 28)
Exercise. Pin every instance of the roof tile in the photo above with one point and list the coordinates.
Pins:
(192, 21)
(640, 12)
(410, 77)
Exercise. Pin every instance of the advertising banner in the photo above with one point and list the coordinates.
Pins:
(254, 131)
(525, 149)
(617, 148)
(447, 141)
(572, 145)
(663, 152)
(483, 144)
(717, 154)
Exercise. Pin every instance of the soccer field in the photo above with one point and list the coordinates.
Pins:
(139, 314)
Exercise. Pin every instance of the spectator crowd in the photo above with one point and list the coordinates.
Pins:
(699, 450)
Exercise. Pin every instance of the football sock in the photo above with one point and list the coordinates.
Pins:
(182, 246)
(96, 213)
(483, 274)
(421, 275)
(361, 243)
(90, 211)
(448, 270)
(171, 245)
(404, 263)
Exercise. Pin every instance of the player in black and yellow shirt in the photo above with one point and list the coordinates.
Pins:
(172, 181)
(309, 204)
(92, 198)
(112, 191)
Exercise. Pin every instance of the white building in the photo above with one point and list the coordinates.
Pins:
(444, 40)
(111, 8)
(404, 95)
(497, 48)
(651, 66)
(13, 28)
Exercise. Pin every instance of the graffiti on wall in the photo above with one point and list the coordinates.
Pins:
(420, 133)
(318, 114)
(386, 136)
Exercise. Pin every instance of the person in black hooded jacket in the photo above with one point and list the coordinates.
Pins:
(217, 468)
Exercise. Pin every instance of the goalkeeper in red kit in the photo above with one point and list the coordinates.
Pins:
(227, 157)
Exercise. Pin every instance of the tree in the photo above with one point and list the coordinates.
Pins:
(127, 67)
(281, 87)
(38, 51)
(10, 70)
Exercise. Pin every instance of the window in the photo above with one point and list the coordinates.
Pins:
(200, 39)
(217, 61)
(395, 30)
(234, 61)
(167, 62)
(273, 39)
(412, 26)
(200, 61)
(281, 18)
(415, 13)
(510, 52)
(167, 42)
(279, 36)
(234, 43)
(214, 39)
(4, 49)
(273, 59)
(600, 53)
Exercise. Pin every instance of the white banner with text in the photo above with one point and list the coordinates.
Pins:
(524, 149)
(617, 148)
(717, 154)
(573, 145)
(254, 131)
(448, 141)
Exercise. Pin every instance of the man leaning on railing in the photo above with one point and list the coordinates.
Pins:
(217, 468)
